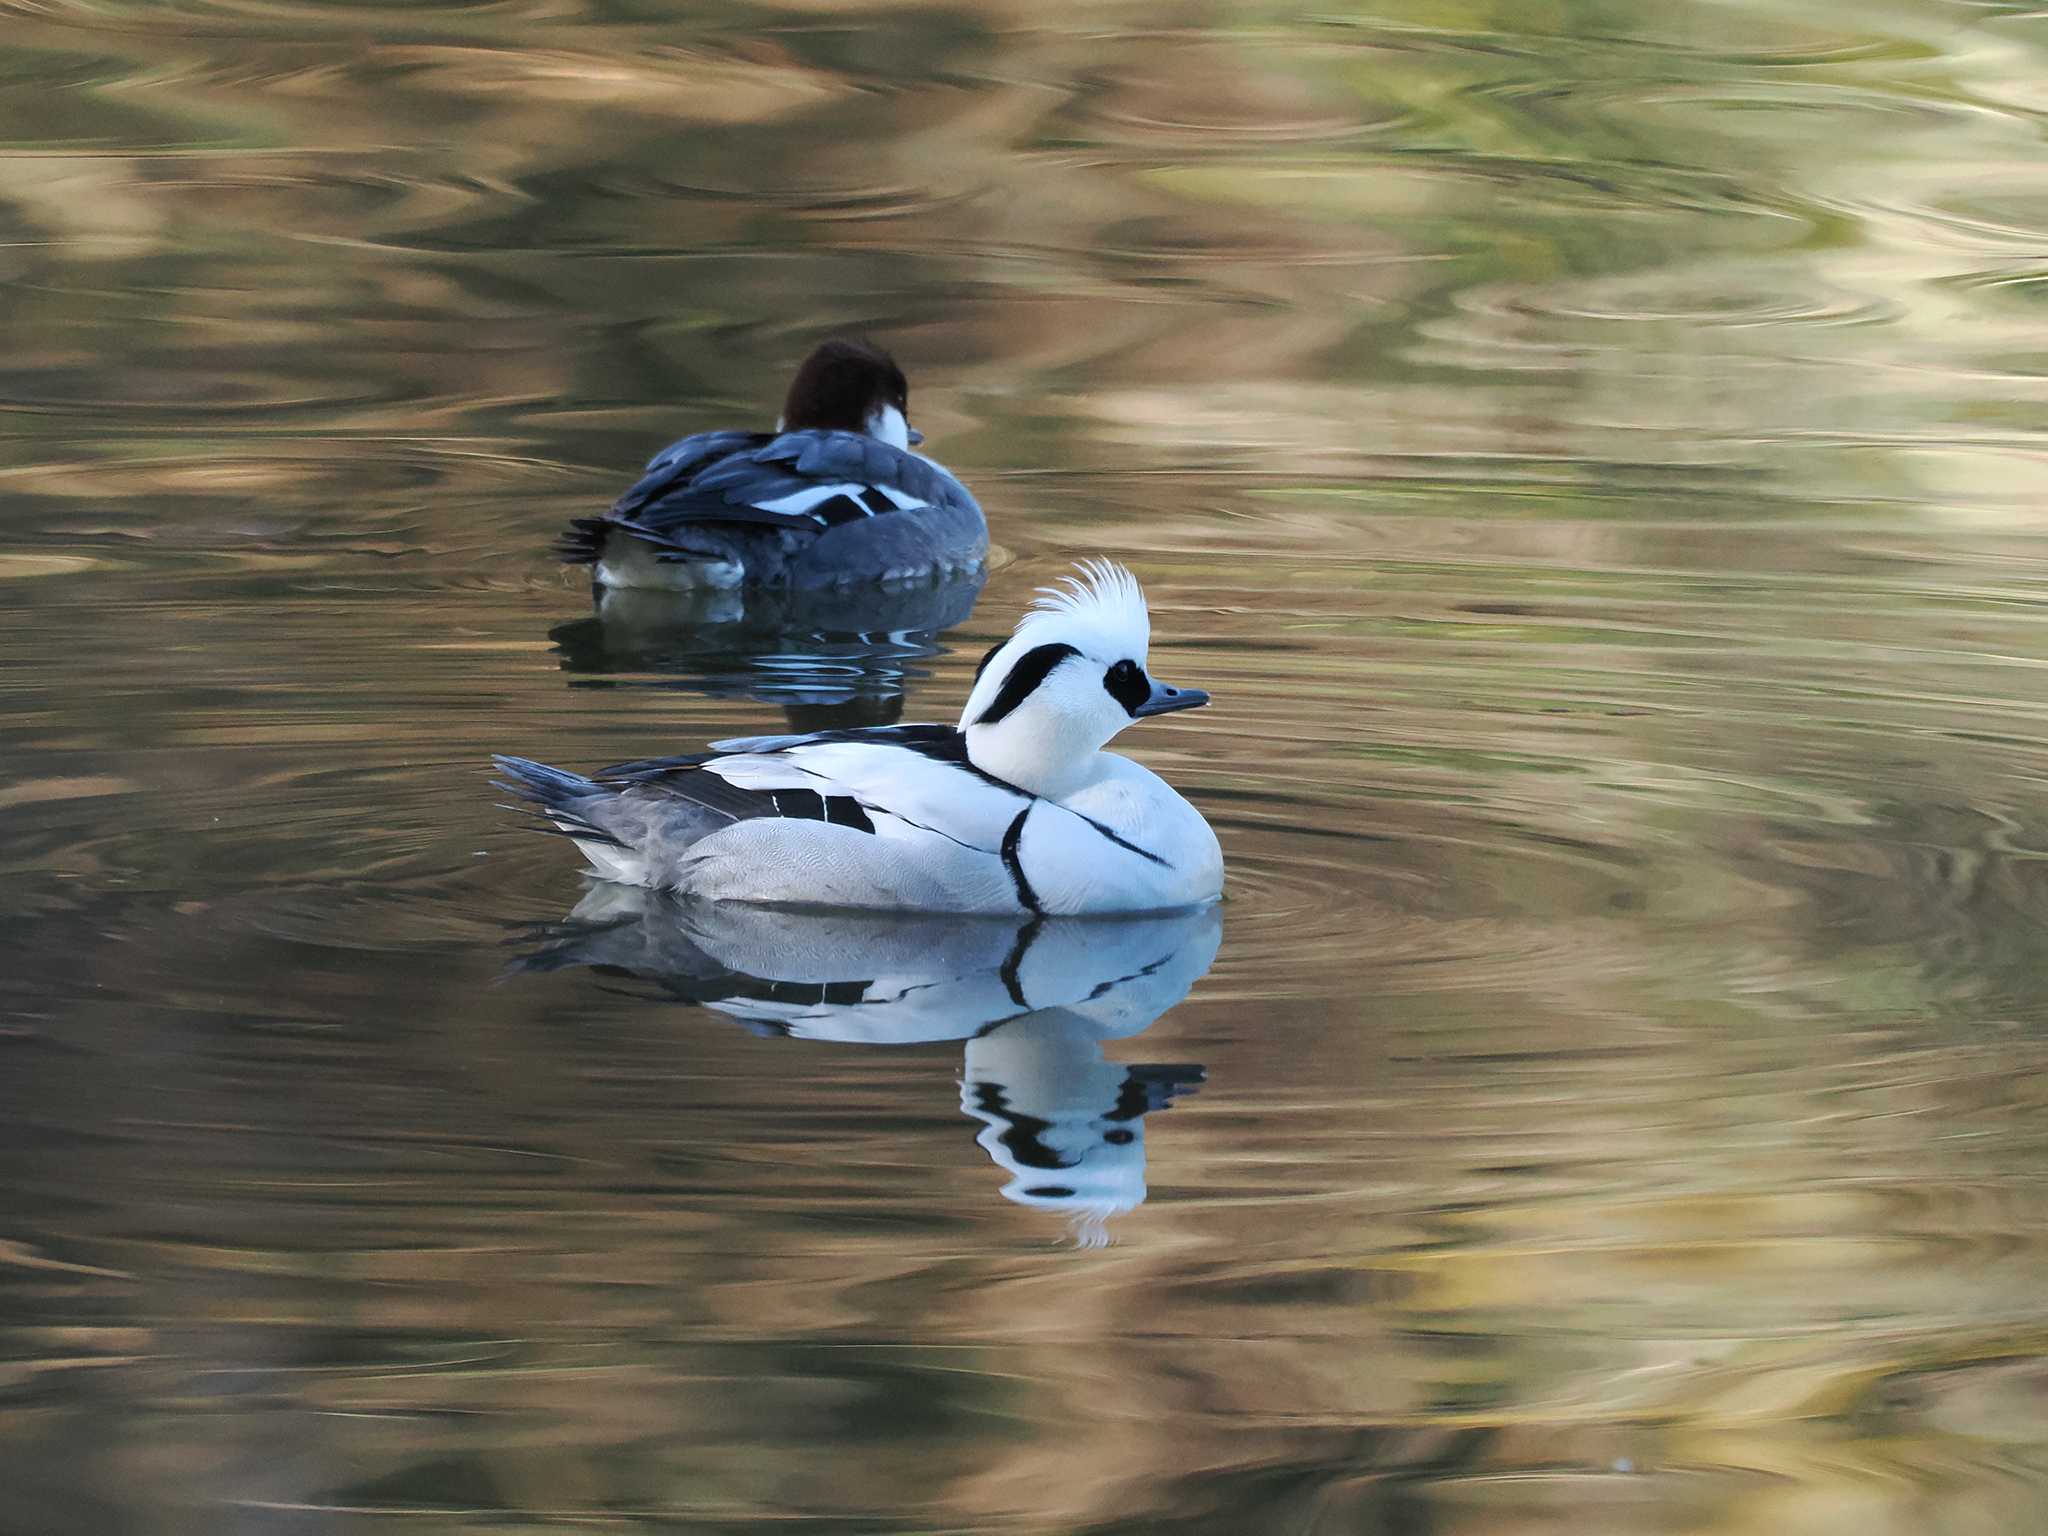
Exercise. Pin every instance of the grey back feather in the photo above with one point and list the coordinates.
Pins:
(729, 477)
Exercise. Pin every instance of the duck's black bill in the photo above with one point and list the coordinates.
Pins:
(1165, 700)
(915, 436)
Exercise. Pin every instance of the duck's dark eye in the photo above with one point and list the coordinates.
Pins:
(1127, 684)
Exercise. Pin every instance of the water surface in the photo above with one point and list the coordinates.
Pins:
(1593, 454)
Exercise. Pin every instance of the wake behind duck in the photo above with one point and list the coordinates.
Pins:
(1016, 809)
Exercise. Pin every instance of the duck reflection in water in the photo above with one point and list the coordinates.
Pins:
(832, 658)
(1033, 1001)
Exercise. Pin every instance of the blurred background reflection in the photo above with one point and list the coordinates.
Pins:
(1592, 452)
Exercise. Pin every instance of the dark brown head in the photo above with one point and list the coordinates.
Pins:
(852, 386)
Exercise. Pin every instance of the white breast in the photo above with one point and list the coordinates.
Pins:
(1123, 842)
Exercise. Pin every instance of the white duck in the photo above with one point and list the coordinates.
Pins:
(1018, 809)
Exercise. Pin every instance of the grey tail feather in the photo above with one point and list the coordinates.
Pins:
(582, 542)
(540, 783)
(553, 795)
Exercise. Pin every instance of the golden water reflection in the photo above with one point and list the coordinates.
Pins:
(1592, 455)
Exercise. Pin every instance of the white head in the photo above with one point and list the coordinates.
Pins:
(1070, 677)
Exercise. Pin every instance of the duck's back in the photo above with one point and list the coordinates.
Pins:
(808, 508)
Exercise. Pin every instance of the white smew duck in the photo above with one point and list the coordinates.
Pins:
(831, 497)
(1017, 809)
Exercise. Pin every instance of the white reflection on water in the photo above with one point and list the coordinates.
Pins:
(1034, 1001)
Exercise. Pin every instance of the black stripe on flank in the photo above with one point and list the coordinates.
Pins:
(1014, 863)
(1124, 842)
(876, 503)
(1032, 668)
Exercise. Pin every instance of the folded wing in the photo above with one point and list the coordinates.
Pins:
(904, 782)
(805, 482)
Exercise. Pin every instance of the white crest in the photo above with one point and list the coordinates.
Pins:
(1104, 602)
(1101, 612)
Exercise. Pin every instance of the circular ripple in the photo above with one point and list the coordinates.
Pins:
(1703, 297)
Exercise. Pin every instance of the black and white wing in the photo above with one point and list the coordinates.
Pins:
(903, 782)
(806, 482)
(853, 465)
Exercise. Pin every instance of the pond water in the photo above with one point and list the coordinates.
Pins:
(1593, 453)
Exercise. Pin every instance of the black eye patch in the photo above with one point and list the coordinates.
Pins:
(1128, 685)
(1032, 668)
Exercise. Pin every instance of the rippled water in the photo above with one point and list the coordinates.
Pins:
(1593, 453)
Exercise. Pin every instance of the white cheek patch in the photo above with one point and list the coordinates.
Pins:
(886, 424)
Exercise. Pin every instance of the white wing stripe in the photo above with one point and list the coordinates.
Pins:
(905, 502)
(810, 497)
